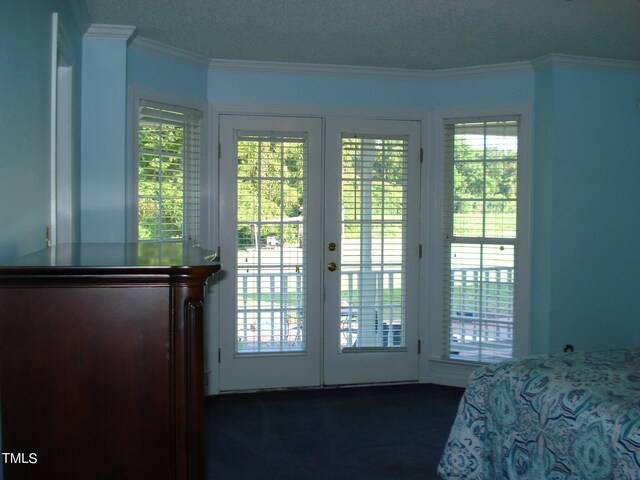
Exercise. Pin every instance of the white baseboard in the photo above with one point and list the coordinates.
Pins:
(450, 373)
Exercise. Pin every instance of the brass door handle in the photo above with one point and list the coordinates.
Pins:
(332, 267)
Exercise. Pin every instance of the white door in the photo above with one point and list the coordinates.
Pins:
(271, 291)
(319, 252)
(372, 251)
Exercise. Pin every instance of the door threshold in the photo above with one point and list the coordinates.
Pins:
(317, 387)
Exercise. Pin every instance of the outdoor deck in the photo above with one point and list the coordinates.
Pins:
(271, 309)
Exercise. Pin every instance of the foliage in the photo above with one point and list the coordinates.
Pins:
(270, 188)
(271, 184)
(484, 190)
(160, 181)
(484, 174)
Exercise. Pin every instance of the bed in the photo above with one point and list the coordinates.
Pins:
(552, 417)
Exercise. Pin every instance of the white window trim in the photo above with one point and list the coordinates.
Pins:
(456, 372)
(61, 228)
(137, 93)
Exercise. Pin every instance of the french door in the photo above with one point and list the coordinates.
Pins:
(319, 241)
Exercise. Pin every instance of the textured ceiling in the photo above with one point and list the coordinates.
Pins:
(422, 34)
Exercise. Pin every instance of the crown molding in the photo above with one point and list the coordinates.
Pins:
(81, 13)
(146, 45)
(353, 71)
(116, 32)
(547, 61)
(564, 60)
(315, 109)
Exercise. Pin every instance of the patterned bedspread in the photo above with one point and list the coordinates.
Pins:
(568, 416)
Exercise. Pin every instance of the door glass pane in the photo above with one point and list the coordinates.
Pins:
(270, 244)
(373, 248)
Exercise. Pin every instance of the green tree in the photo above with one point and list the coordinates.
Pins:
(270, 187)
(160, 181)
(483, 172)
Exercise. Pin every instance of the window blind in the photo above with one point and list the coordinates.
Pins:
(168, 172)
(373, 247)
(271, 249)
(480, 268)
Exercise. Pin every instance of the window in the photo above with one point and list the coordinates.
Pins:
(481, 238)
(168, 186)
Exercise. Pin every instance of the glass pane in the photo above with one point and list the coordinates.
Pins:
(500, 219)
(148, 212)
(501, 180)
(372, 278)
(171, 217)
(502, 140)
(160, 180)
(248, 201)
(468, 180)
(468, 218)
(172, 137)
(172, 176)
(481, 289)
(247, 160)
(270, 260)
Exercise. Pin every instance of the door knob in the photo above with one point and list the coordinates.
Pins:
(331, 246)
(332, 266)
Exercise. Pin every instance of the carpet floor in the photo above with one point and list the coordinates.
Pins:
(380, 432)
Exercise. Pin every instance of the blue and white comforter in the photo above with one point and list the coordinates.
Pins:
(569, 416)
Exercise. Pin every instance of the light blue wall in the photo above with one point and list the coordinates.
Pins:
(104, 94)
(25, 45)
(542, 201)
(587, 230)
(368, 91)
(596, 222)
(166, 75)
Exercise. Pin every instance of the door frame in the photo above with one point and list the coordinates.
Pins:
(217, 108)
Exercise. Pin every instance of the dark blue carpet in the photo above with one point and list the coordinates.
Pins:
(382, 432)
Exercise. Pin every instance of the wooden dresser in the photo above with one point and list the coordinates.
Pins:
(101, 362)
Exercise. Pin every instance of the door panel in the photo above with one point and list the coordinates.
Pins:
(270, 323)
(371, 205)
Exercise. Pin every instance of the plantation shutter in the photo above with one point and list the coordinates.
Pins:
(481, 241)
(373, 258)
(168, 172)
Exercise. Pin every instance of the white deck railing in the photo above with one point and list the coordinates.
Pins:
(481, 313)
(270, 309)
(271, 305)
